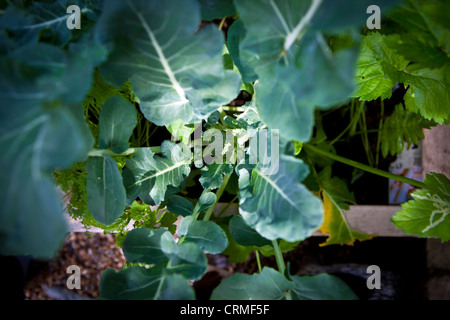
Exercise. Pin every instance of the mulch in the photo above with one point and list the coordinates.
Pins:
(92, 253)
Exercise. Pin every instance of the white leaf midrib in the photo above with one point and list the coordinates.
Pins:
(162, 57)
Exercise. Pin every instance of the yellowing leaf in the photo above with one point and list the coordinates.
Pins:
(336, 198)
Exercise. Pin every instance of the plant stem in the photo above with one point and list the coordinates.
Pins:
(218, 195)
(366, 167)
(227, 206)
(196, 211)
(280, 264)
(258, 261)
(101, 152)
(350, 125)
(377, 156)
(300, 27)
(278, 256)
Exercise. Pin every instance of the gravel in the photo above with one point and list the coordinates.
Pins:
(92, 253)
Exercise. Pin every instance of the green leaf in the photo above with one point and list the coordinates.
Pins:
(236, 33)
(31, 214)
(378, 67)
(37, 135)
(291, 212)
(286, 95)
(180, 132)
(216, 9)
(176, 74)
(428, 92)
(400, 127)
(143, 245)
(148, 176)
(426, 215)
(336, 199)
(244, 235)
(45, 20)
(205, 201)
(425, 19)
(212, 175)
(267, 285)
(206, 234)
(117, 122)
(186, 259)
(136, 283)
(180, 205)
(321, 287)
(106, 193)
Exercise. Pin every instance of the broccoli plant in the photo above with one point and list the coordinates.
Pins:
(152, 112)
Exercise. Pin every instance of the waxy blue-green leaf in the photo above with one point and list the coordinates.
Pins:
(244, 235)
(106, 193)
(149, 176)
(179, 205)
(186, 259)
(236, 33)
(293, 65)
(321, 287)
(41, 20)
(212, 175)
(144, 245)
(205, 201)
(176, 73)
(37, 134)
(216, 9)
(427, 215)
(117, 122)
(277, 205)
(338, 16)
(267, 285)
(206, 234)
(138, 283)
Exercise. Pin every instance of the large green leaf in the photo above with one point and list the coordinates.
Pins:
(206, 234)
(427, 215)
(293, 65)
(267, 285)
(400, 127)
(378, 68)
(321, 287)
(136, 283)
(427, 20)
(236, 33)
(428, 92)
(180, 205)
(148, 176)
(45, 20)
(37, 134)
(244, 235)
(143, 245)
(278, 205)
(186, 259)
(176, 73)
(216, 9)
(381, 66)
(287, 95)
(117, 122)
(105, 190)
